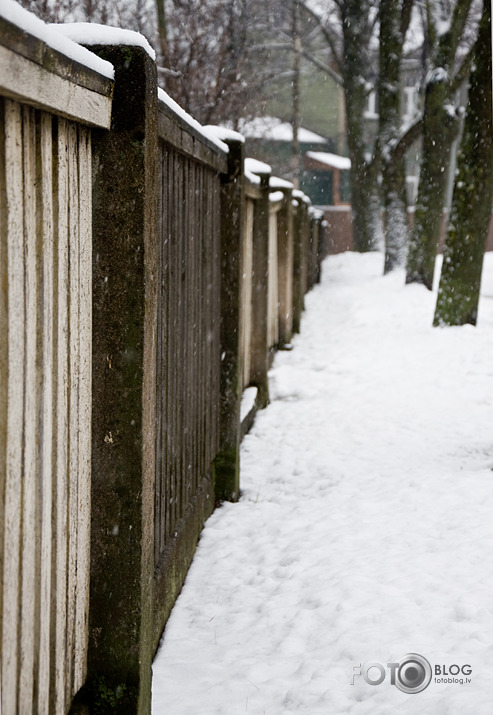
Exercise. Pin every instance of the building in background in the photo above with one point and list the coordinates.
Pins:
(270, 140)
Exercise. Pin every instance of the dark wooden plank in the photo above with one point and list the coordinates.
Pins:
(183, 137)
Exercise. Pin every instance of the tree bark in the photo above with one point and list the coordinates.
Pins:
(295, 121)
(460, 281)
(356, 31)
(393, 167)
(162, 31)
(440, 129)
(441, 126)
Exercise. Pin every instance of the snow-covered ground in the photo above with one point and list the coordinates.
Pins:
(365, 529)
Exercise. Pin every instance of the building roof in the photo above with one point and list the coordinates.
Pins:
(334, 161)
(274, 129)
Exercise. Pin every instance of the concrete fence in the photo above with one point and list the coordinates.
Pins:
(146, 281)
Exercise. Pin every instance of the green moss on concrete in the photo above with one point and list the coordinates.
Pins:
(227, 472)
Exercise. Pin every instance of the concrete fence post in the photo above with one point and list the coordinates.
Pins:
(298, 259)
(285, 267)
(124, 386)
(260, 267)
(313, 226)
(305, 254)
(322, 245)
(227, 463)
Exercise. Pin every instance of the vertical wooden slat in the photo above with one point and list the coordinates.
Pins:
(171, 357)
(165, 318)
(247, 291)
(207, 321)
(30, 537)
(174, 357)
(216, 264)
(202, 330)
(45, 177)
(201, 334)
(15, 418)
(74, 363)
(168, 356)
(207, 207)
(181, 342)
(84, 435)
(194, 388)
(158, 501)
(167, 173)
(192, 342)
(179, 361)
(212, 335)
(207, 346)
(62, 470)
(4, 352)
(187, 239)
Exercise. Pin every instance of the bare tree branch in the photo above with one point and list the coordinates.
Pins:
(323, 66)
(329, 37)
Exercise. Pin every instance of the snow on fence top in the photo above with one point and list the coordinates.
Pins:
(317, 214)
(223, 133)
(301, 196)
(252, 178)
(188, 119)
(90, 33)
(50, 34)
(257, 167)
(278, 183)
(276, 196)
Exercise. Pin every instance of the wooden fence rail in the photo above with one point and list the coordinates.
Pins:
(146, 280)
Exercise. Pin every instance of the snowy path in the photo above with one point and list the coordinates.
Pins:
(365, 530)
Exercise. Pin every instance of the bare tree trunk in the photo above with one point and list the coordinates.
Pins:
(392, 31)
(396, 221)
(458, 293)
(295, 144)
(440, 128)
(162, 28)
(356, 33)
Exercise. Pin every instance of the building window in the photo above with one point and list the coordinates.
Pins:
(318, 185)
(371, 111)
(410, 104)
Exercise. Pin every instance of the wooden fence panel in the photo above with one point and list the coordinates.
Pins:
(188, 336)
(46, 339)
(188, 353)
